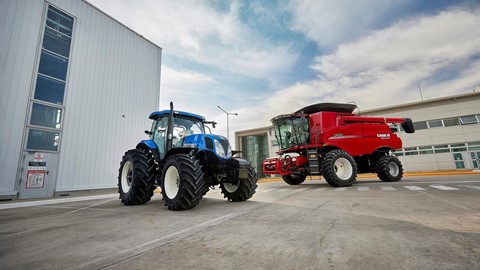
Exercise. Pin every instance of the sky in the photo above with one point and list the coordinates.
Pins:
(260, 59)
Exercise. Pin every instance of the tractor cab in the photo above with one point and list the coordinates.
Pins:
(183, 125)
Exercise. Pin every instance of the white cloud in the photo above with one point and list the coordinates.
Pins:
(386, 66)
(197, 32)
(372, 60)
(332, 22)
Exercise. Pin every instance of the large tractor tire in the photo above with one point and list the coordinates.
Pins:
(136, 177)
(294, 179)
(183, 185)
(389, 169)
(339, 169)
(243, 189)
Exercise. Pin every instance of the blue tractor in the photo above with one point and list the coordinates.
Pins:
(184, 161)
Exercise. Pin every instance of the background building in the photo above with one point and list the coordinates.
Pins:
(447, 135)
(76, 91)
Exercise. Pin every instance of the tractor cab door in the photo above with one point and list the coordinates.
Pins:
(159, 135)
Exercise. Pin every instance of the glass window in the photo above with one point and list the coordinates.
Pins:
(441, 148)
(468, 119)
(458, 157)
(49, 90)
(398, 153)
(53, 65)
(435, 123)
(43, 140)
(458, 147)
(420, 125)
(410, 151)
(56, 42)
(449, 122)
(45, 116)
(59, 21)
(459, 164)
(425, 150)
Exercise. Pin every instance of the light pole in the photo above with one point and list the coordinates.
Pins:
(228, 114)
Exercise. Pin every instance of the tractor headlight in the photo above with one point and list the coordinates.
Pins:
(221, 151)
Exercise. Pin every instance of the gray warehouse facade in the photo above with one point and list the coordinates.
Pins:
(447, 135)
(76, 90)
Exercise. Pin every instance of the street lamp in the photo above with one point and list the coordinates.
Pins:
(228, 114)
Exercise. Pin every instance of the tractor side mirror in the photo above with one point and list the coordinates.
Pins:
(148, 132)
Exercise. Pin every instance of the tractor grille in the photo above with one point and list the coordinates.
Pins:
(209, 143)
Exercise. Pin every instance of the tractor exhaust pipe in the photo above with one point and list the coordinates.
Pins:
(170, 129)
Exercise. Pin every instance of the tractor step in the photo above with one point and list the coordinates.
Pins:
(313, 161)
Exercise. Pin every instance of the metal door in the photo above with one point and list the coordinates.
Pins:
(38, 175)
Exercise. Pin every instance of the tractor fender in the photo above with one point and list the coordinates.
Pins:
(149, 145)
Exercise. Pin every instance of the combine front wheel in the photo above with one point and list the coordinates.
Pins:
(339, 169)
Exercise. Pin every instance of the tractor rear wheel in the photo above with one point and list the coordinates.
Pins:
(339, 169)
(389, 169)
(183, 185)
(136, 177)
(243, 189)
(294, 178)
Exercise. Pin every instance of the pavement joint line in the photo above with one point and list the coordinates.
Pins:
(88, 207)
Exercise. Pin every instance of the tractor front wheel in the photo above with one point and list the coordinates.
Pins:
(136, 177)
(183, 185)
(389, 169)
(294, 179)
(243, 189)
(339, 169)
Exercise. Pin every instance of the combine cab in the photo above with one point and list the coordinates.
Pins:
(327, 139)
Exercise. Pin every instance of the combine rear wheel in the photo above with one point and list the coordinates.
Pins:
(294, 179)
(182, 182)
(339, 169)
(243, 189)
(389, 169)
(136, 177)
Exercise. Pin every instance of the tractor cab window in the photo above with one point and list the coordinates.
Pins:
(181, 127)
(159, 134)
(185, 126)
(292, 132)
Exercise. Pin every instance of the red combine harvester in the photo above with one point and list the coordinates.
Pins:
(328, 139)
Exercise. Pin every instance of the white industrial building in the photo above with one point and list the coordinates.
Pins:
(76, 89)
(447, 135)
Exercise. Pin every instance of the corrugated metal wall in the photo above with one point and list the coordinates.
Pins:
(20, 26)
(113, 84)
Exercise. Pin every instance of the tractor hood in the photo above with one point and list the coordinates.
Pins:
(209, 142)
